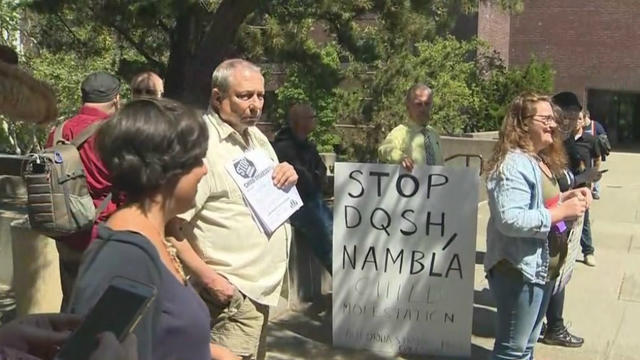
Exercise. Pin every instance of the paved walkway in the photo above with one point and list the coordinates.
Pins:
(602, 303)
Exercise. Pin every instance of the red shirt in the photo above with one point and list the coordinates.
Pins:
(97, 175)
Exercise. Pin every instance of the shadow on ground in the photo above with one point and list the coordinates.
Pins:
(484, 322)
(308, 335)
(484, 298)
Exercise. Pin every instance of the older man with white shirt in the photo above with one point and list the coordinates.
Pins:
(239, 267)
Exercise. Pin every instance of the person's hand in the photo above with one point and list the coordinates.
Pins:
(586, 194)
(220, 289)
(574, 207)
(174, 228)
(407, 163)
(284, 175)
(219, 352)
(110, 349)
(39, 334)
(582, 193)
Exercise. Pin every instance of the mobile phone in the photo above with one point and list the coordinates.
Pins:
(118, 310)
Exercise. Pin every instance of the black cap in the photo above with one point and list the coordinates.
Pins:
(567, 101)
(99, 87)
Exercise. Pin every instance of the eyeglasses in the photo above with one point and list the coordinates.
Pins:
(544, 119)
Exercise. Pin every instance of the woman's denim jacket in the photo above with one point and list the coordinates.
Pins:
(518, 223)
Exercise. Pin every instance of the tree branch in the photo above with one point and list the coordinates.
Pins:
(213, 48)
(76, 38)
(164, 27)
(138, 46)
(227, 19)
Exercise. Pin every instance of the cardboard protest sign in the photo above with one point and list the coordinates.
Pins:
(404, 254)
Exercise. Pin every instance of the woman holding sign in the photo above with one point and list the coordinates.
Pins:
(520, 266)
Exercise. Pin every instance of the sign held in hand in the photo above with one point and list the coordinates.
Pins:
(404, 255)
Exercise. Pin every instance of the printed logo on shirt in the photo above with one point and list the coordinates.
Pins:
(245, 168)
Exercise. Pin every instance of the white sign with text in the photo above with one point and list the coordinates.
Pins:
(403, 258)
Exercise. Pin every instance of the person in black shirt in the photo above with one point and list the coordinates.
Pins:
(292, 145)
(584, 156)
(567, 108)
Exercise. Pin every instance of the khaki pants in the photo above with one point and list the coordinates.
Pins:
(239, 326)
(70, 260)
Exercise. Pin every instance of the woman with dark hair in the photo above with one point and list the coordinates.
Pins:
(521, 186)
(153, 149)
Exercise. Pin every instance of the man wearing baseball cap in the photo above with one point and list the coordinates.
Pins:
(101, 99)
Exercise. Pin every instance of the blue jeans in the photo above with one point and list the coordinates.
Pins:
(315, 221)
(521, 308)
(586, 241)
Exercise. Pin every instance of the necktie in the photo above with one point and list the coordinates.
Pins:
(430, 153)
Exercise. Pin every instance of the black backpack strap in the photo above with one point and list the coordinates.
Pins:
(86, 133)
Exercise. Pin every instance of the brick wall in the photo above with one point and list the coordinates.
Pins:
(591, 43)
(494, 28)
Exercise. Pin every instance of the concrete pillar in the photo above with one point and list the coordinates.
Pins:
(36, 273)
(7, 299)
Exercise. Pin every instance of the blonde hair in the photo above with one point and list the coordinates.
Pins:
(514, 135)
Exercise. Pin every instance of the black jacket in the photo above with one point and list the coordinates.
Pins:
(304, 157)
(580, 154)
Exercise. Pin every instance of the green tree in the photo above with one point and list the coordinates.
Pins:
(471, 91)
(502, 85)
(185, 39)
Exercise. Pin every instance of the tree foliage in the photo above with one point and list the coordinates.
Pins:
(351, 59)
(471, 91)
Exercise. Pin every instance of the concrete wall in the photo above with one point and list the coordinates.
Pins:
(12, 198)
(28, 260)
(482, 145)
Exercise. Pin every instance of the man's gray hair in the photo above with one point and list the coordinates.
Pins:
(222, 73)
(415, 88)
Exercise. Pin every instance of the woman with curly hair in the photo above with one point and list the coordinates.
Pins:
(153, 149)
(520, 263)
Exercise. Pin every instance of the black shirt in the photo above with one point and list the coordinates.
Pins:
(582, 153)
(304, 157)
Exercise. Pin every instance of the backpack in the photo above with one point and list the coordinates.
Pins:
(58, 199)
(603, 140)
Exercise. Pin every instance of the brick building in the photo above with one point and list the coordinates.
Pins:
(593, 45)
